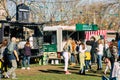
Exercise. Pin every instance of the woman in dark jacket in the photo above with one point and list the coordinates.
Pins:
(93, 45)
(27, 54)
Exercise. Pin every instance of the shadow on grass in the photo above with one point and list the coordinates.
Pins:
(77, 73)
(93, 75)
(88, 74)
(72, 68)
(52, 71)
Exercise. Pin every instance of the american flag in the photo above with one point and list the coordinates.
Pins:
(89, 34)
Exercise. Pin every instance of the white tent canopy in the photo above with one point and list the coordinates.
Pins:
(54, 28)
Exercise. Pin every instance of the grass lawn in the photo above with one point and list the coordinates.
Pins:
(50, 76)
(55, 72)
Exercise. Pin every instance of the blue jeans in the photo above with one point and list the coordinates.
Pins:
(87, 64)
(99, 61)
(72, 59)
(26, 61)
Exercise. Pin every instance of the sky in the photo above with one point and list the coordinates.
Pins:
(84, 2)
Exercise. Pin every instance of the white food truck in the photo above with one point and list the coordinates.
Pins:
(55, 37)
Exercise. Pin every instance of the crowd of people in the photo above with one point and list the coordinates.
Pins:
(90, 53)
(10, 57)
(74, 52)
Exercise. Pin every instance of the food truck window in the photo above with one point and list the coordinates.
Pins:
(76, 35)
(17, 32)
(6, 31)
(50, 37)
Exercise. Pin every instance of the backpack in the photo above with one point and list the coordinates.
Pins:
(107, 53)
(115, 52)
(77, 48)
(10, 48)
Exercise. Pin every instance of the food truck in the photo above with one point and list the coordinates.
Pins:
(21, 30)
(55, 37)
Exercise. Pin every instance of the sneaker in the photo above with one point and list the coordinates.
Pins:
(6, 75)
(86, 70)
(67, 72)
(28, 68)
(23, 68)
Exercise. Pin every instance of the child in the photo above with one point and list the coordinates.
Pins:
(87, 60)
(108, 65)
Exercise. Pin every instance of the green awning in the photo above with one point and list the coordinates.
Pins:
(86, 27)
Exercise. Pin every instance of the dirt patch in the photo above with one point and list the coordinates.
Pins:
(40, 69)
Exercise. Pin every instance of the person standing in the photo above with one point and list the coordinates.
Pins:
(82, 50)
(119, 50)
(108, 65)
(88, 57)
(3, 58)
(114, 55)
(73, 57)
(87, 60)
(13, 58)
(31, 41)
(66, 55)
(106, 56)
(93, 44)
(26, 57)
(78, 43)
(99, 54)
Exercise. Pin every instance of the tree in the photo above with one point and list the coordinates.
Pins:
(71, 11)
(3, 10)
